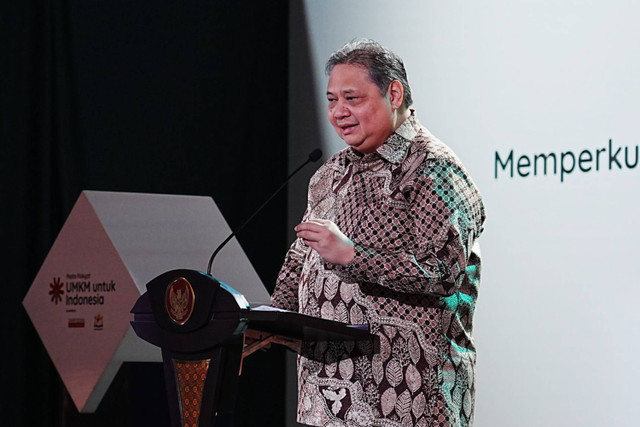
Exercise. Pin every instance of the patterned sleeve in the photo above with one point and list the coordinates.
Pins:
(285, 294)
(444, 218)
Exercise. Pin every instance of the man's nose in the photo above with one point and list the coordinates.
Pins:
(340, 111)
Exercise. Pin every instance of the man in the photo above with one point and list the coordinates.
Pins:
(389, 239)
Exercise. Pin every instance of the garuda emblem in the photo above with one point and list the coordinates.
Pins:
(179, 301)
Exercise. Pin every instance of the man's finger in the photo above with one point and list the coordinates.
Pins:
(309, 226)
(308, 235)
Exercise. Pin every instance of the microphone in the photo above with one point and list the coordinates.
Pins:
(313, 157)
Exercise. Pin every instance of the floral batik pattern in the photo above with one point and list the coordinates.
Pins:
(414, 216)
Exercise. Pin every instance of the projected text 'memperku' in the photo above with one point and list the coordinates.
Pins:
(565, 163)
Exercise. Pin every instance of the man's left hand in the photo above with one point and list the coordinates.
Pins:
(325, 237)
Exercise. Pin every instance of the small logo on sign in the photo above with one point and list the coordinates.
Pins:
(76, 323)
(179, 301)
(98, 322)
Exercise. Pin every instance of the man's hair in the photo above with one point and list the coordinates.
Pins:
(383, 65)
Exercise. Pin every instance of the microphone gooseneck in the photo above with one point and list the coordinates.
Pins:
(313, 157)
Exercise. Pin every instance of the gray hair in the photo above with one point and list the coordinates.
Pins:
(383, 65)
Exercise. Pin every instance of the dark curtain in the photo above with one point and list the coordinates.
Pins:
(180, 97)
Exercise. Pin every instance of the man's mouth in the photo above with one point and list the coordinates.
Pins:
(347, 129)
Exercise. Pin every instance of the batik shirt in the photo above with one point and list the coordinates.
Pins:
(414, 216)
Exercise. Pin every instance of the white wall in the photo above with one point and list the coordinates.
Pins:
(557, 317)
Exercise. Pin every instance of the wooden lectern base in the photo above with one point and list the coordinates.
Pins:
(202, 387)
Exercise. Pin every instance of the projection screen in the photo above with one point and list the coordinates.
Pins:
(540, 101)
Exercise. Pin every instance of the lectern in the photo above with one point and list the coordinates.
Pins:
(205, 328)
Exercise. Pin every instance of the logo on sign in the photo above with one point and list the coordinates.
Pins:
(76, 323)
(79, 290)
(56, 291)
(98, 322)
(179, 301)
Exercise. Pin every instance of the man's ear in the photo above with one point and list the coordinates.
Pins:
(395, 92)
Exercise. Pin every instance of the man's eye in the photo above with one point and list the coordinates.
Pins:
(351, 98)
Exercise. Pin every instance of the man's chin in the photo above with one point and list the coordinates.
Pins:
(352, 143)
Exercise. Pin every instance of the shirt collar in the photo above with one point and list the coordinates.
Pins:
(395, 147)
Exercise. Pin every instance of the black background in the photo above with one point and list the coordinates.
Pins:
(178, 97)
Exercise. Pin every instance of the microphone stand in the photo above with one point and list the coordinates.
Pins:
(313, 156)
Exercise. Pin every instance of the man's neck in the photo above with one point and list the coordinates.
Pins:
(401, 116)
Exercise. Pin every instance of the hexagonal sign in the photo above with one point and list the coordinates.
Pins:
(111, 245)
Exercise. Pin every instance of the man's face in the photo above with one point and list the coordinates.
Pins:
(359, 113)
